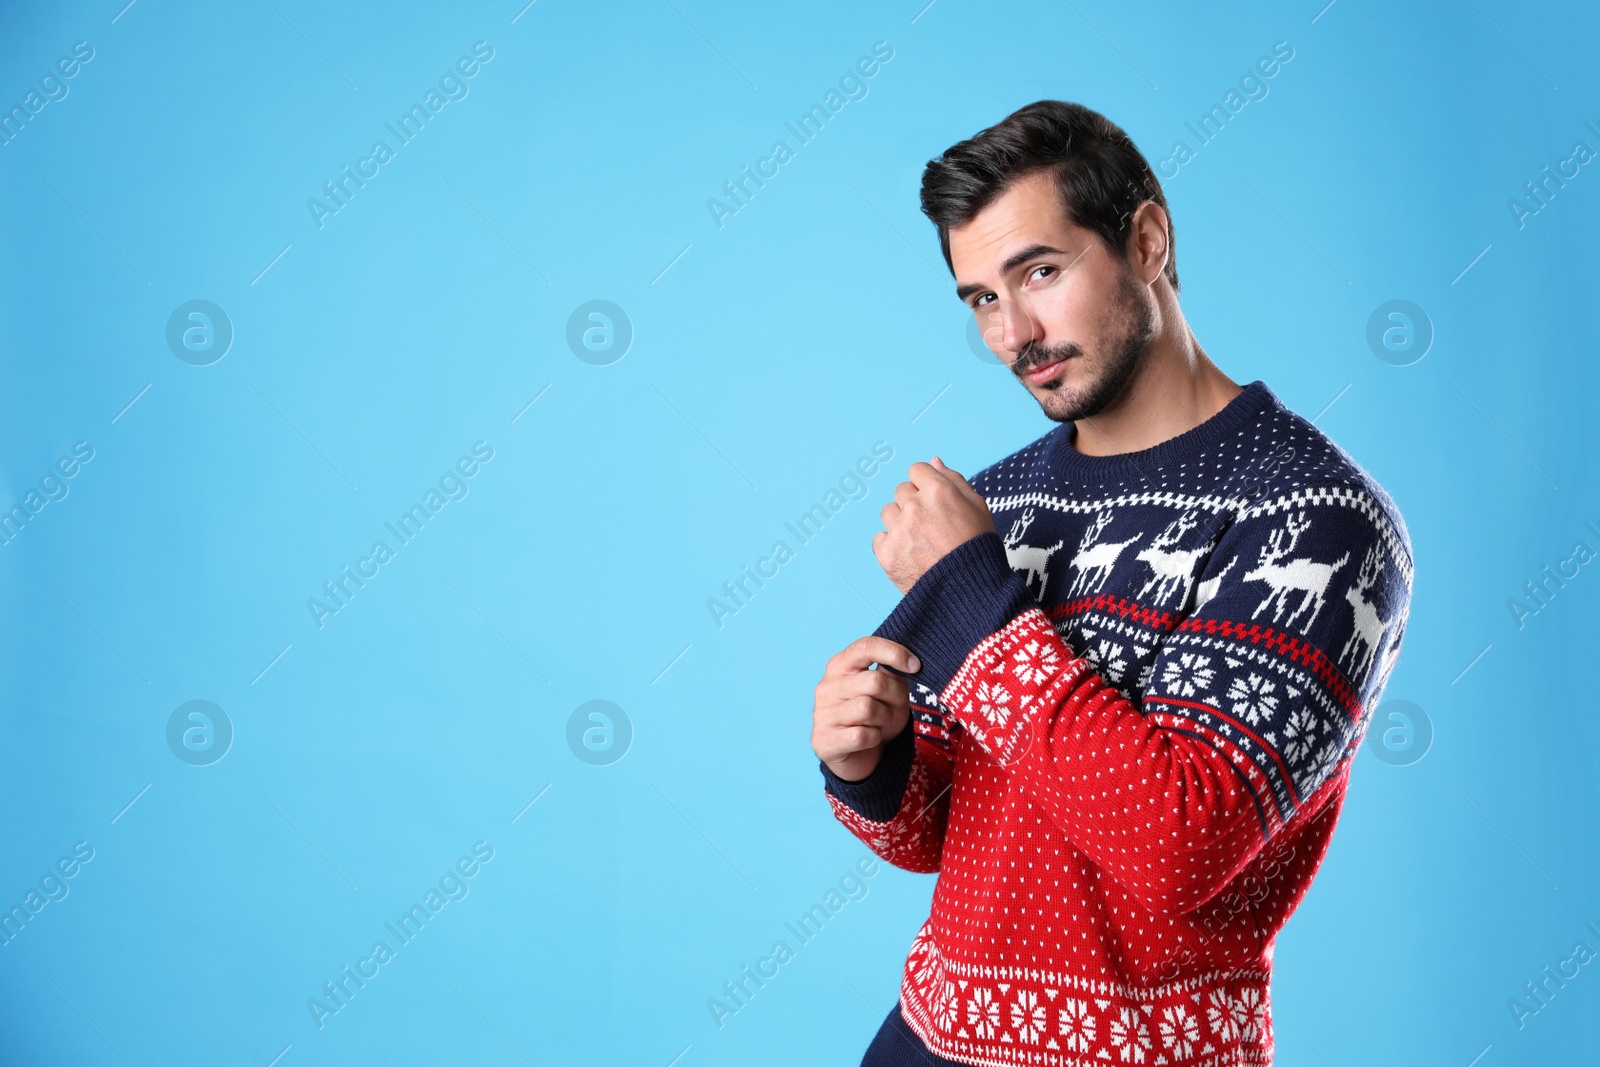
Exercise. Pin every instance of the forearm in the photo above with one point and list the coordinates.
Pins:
(1157, 806)
(1149, 798)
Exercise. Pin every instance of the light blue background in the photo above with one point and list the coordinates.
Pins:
(768, 356)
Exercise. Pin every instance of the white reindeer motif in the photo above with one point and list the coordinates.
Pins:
(1096, 559)
(1303, 575)
(1027, 557)
(1171, 568)
(1208, 588)
(1370, 626)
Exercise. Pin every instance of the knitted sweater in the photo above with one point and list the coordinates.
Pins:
(1132, 730)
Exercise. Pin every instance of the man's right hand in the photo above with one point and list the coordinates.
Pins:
(858, 710)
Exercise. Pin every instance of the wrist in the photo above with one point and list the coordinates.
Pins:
(857, 766)
(876, 796)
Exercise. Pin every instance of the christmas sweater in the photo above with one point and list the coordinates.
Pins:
(1132, 729)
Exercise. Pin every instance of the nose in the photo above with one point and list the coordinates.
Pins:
(1008, 329)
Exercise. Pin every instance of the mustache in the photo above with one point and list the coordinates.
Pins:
(1033, 357)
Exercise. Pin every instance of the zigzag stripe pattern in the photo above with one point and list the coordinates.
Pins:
(1118, 608)
(1293, 648)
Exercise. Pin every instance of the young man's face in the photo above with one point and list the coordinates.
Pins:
(1064, 312)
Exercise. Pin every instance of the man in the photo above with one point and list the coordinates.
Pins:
(1136, 712)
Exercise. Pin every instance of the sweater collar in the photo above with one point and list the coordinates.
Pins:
(1255, 398)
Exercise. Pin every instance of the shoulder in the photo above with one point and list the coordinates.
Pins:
(1317, 480)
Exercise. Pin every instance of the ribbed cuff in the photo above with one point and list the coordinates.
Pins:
(878, 795)
(962, 599)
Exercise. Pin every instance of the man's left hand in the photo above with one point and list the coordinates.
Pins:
(931, 514)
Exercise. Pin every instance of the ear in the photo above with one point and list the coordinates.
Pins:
(1148, 244)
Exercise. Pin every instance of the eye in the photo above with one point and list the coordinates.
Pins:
(978, 301)
(1040, 267)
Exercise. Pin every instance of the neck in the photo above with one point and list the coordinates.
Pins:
(1175, 389)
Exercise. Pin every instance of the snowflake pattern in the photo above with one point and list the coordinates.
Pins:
(1129, 1036)
(983, 1012)
(1077, 1025)
(1181, 1024)
(1180, 1031)
(991, 701)
(929, 967)
(1035, 662)
(948, 1013)
(1183, 1020)
(1227, 1015)
(1188, 674)
(1321, 765)
(1145, 674)
(1297, 733)
(1254, 698)
(1028, 1017)
(1252, 1011)
(1105, 656)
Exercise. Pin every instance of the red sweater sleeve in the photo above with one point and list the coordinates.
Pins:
(1245, 711)
(1157, 805)
(901, 809)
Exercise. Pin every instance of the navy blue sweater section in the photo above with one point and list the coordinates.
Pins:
(1218, 509)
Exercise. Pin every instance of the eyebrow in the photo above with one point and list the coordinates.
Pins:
(1015, 260)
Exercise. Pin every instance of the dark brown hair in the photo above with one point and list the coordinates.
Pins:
(1101, 176)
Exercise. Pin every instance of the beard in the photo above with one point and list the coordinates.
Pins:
(1127, 330)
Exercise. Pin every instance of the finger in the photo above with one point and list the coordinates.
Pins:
(878, 540)
(947, 470)
(862, 711)
(933, 479)
(864, 651)
(924, 475)
(848, 740)
(842, 684)
(960, 482)
(887, 686)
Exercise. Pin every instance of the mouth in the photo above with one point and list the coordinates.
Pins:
(1040, 375)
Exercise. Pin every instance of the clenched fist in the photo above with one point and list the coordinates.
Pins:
(859, 710)
(931, 514)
